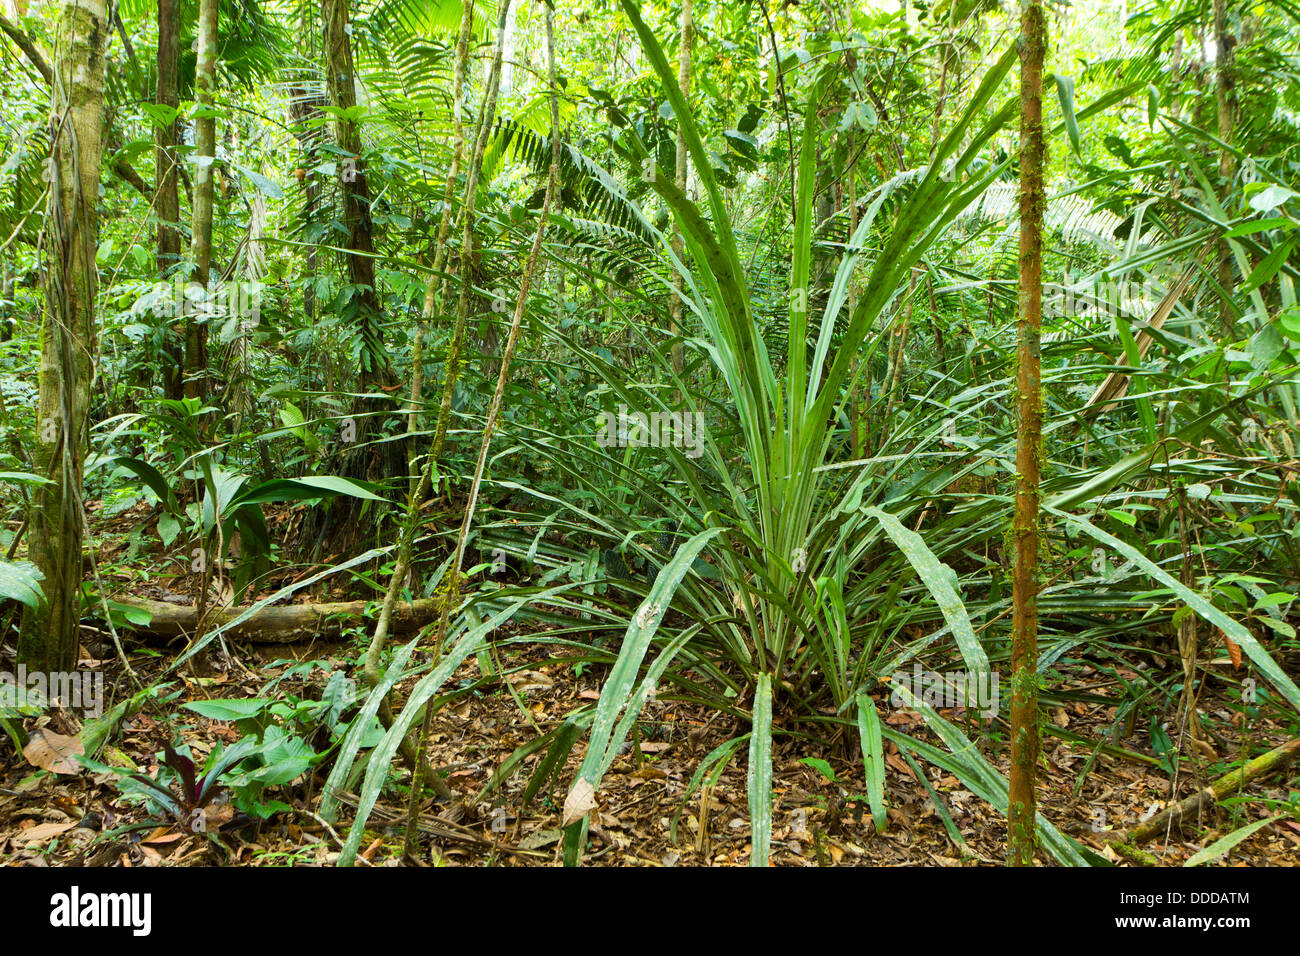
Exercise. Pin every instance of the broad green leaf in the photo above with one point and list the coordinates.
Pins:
(266, 186)
(1264, 197)
(168, 529)
(229, 710)
(21, 582)
(298, 489)
(152, 478)
(23, 478)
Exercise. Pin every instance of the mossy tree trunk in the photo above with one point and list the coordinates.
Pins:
(167, 202)
(345, 521)
(49, 631)
(205, 152)
(1029, 443)
(435, 290)
(1225, 97)
(355, 186)
(466, 263)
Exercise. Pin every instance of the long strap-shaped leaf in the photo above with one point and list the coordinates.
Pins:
(939, 578)
(759, 775)
(351, 744)
(603, 745)
(1197, 602)
(715, 249)
(377, 771)
(873, 758)
(1127, 467)
(979, 776)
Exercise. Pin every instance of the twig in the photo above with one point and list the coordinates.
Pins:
(1276, 759)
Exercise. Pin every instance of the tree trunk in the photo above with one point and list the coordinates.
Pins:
(487, 114)
(436, 287)
(205, 147)
(49, 631)
(8, 321)
(375, 369)
(167, 202)
(1029, 443)
(364, 457)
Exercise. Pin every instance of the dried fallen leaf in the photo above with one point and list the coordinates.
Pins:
(540, 838)
(1234, 651)
(579, 802)
(151, 857)
(897, 763)
(53, 752)
(40, 833)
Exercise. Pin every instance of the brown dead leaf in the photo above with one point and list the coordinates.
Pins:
(53, 752)
(579, 802)
(540, 838)
(40, 833)
(1234, 651)
(151, 857)
(895, 761)
(162, 836)
(901, 717)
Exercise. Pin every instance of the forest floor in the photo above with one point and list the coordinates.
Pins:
(64, 815)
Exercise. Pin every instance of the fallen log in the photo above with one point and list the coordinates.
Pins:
(277, 624)
(1276, 759)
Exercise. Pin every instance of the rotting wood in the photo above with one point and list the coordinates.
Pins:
(1276, 759)
(277, 624)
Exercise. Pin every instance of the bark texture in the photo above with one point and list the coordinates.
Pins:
(1029, 443)
(49, 638)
